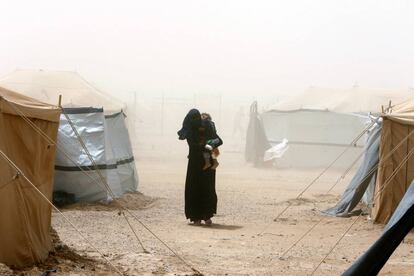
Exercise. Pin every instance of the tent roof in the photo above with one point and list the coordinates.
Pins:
(403, 112)
(47, 85)
(344, 101)
(17, 104)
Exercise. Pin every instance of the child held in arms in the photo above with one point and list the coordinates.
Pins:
(210, 152)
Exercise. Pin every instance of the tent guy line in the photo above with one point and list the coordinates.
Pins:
(119, 205)
(346, 172)
(354, 141)
(47, 138)
(387, 182)
(106, 186)
(366, 177)
(20, 173)
(281, 257)
(98, 171)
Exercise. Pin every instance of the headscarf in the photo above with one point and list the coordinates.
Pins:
(191, 122)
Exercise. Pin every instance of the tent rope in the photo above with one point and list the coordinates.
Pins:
(106, 186)
(121, 207)
(365, 178)
(387, 182)
(281, 257)
(352, 144)
(103, 180)
(48, 139)
(19, 171)
(80, 140)
(342, 177)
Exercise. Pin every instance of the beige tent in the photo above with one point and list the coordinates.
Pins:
(354, 100)
(47, 85)
(25, 217)
(398, 123)
(99, 120)
(323, 122)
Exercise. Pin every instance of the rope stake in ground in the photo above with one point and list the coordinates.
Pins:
(17, 169)
(387, 182)
(352, 144)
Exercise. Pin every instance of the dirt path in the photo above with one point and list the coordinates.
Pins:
(249, 199)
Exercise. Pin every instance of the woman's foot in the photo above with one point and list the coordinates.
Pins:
(197, 222)
(208, 222)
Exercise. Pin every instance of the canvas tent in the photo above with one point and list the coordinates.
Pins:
(400, 224)
(100, 122)
(25, 216)
(390, 156)
(321, 122)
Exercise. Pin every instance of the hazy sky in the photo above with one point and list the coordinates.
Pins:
(235, 46)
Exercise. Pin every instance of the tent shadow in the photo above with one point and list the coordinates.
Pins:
(222, 226)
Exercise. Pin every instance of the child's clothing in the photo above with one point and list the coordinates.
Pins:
(211, 151)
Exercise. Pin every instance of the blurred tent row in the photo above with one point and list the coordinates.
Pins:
(317, 123)
(100, 123)
(45, 148)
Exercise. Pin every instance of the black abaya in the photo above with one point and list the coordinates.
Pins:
(200, 185)
(200, 188)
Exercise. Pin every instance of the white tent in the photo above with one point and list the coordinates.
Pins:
(100, 122)
(354, 100)
(320, 123)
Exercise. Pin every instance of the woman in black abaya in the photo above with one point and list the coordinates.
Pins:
(200, 185)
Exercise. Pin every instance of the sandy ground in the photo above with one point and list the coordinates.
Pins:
(249, 200)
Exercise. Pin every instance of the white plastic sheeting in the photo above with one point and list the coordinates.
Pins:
(314, 133)
(107, 141)
(119, 153)
(276, 151)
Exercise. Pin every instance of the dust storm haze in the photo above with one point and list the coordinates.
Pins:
(160, 58)
(163, 57)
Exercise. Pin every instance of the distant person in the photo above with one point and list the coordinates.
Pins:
(210, 153)
(239, 119)
(200, 185)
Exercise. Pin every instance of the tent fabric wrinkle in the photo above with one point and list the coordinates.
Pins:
(364, 178)
(390, 194)
(26, 216)
(107, 141)
(17, 104)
